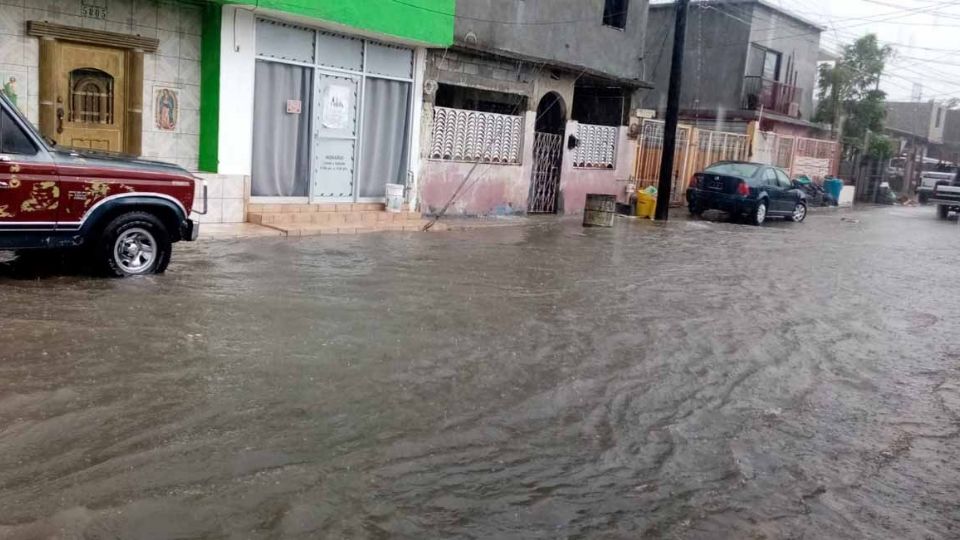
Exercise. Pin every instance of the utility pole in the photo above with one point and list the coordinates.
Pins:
(673, 113)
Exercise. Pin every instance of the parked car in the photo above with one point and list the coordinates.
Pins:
(122, 212)
(740, 188)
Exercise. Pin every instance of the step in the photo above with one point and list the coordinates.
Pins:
(331, 218)
(317, 230)
(260, 208)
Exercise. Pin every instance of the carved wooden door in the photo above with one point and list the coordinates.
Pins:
(90, 97)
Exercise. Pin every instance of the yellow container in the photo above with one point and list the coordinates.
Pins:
(646, 205)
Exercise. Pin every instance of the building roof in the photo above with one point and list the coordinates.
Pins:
(764, 3)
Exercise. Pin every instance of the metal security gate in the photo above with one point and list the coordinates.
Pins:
(545, 182)
(696, 149)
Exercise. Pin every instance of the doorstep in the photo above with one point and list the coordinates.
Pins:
(325, 219)
(226, 231)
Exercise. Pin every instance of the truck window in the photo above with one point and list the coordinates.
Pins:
(12, 139)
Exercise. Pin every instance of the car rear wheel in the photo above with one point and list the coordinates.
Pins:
(943, 211)
(799, 213)
(696, 210)
(134, 244)
(759, 214)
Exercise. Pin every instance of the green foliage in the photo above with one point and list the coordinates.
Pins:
(880, 147)
(849, 90)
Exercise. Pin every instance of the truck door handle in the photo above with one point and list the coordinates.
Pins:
(4, 184)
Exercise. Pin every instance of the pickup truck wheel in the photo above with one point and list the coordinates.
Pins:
(923, 199)
(943, 211)
(134, 244)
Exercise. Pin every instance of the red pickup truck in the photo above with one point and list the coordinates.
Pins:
(123, 212)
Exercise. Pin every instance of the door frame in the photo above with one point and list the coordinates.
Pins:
(51, 35)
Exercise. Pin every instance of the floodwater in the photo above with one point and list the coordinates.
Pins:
(698, 380)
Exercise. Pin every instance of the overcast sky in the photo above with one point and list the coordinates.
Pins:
(925, 34)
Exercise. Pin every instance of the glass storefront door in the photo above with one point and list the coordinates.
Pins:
(355, 125)
(335, 137)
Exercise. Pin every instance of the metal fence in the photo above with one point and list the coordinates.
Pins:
(696, 149)
(816, 158)
(462, 135)
(597, 148)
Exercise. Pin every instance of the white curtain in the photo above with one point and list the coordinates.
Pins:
(385, 133)
(281, 139)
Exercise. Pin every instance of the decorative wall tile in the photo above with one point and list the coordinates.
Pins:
(144, 13)
(168, 69)
(190, 122)
(168, 17)
(189, 46)
(169, 43)
(118, 11)
(190, 97)
(189, 71)
(233, 211)
(187, 146)
(11, 49)
(11, 21)
(190, 20)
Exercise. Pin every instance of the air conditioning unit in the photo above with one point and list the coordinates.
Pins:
(794, 110)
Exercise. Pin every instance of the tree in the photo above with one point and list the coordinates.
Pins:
(850, 95)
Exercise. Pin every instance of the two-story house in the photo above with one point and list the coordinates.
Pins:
(918, 127)
(539, 92)
(744, 61)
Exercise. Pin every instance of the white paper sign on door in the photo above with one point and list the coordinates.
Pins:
(336, 106)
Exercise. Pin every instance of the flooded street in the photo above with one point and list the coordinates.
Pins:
(699, 380)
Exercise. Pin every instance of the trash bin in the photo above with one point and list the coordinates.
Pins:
(600, 210)
(833, 187)
(646, 204)
(395, 197)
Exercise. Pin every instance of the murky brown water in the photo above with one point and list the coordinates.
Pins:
(702, 380)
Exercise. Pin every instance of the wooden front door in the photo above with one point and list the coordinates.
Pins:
(91, 97)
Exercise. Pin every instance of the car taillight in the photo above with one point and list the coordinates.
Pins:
(743, 189)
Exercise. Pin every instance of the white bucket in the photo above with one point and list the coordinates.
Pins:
(395, 197)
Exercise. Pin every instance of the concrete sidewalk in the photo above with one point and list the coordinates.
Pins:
(232, 231)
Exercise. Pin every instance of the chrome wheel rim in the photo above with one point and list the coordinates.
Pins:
(799, 212)
(135, 250)
(761, 213)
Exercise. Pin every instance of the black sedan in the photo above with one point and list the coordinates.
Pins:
(746, 189)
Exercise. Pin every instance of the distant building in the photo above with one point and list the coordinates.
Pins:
(540, 92)
(744, 61)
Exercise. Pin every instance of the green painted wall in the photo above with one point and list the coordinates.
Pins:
(427, 21)
(210, 88)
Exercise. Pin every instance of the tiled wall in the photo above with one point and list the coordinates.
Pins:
(175, 65)
(226, 198)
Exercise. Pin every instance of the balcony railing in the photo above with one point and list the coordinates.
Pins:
(773, 96)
